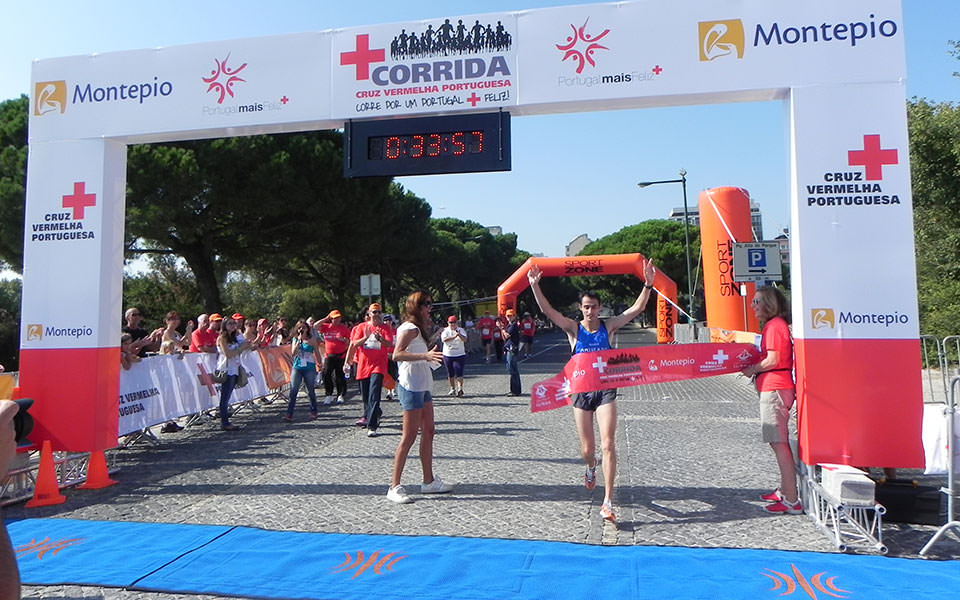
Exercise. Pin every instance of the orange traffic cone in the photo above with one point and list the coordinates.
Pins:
(47, 490)
(97, 475)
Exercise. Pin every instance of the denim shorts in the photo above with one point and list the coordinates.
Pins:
(412, 400)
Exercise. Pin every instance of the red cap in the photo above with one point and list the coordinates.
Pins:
(452, 319)
(238, 316)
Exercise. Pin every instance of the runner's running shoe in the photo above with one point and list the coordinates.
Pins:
(590, 478)
(606, 511)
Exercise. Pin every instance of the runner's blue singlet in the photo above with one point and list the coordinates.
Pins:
(591, 342)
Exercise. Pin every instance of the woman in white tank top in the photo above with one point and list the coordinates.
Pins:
(416, 364)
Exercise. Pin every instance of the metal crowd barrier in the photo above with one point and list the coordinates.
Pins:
(951, 489)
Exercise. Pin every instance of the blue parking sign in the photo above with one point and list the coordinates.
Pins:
(757, 257)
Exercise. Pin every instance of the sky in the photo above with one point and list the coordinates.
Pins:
(572, 173)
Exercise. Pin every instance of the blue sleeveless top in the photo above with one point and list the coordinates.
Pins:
(592, 342)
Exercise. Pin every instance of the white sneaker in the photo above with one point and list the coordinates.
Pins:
(399, 495)
(452, 392)
(328, 401)
(340, 399)
(435, 487)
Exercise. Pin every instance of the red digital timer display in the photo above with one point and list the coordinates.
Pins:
(461, 143)
(425, 145)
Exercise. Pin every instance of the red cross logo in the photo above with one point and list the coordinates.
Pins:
(657, 70)
(362, 56)
(79, 200)
(872, 157)
(473, 99)
(284, 100)
(206, 379)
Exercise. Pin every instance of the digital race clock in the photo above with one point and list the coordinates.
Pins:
(419, 146)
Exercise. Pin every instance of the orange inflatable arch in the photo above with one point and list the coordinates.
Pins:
(605, 264)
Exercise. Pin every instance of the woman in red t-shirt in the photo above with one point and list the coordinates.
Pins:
(774, 380)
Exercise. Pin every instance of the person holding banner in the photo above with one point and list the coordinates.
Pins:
(228, 362)
(413, 391)
(591, 335)
(773, 376)
(307, 351)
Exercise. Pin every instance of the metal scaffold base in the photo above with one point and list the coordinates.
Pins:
(71, 468)
(851, 526)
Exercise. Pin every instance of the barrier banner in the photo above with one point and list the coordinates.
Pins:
(626, 367)
(160, 388)
(276, 363)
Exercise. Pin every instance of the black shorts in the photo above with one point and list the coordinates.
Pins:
(591, 400)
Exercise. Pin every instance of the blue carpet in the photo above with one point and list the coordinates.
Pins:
(249, 562)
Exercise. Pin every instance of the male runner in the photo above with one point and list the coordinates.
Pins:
(592, 335)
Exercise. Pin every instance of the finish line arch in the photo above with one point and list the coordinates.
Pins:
(857, 336)
(603, 264)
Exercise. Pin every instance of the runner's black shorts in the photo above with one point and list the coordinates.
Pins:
(592, 400)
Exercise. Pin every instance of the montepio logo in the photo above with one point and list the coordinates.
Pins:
(442, 58)
(721, 38)
(727, 37)
(34, 332)
(68, 224)
(857, 188)
(822, 318)
(580, 46)
(827, 318)
(49, 96)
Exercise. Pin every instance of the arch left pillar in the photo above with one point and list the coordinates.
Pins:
(72, 291)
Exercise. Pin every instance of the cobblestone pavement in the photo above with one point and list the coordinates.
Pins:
(691, 468)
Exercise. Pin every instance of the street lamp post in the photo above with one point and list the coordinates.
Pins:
(686, 237)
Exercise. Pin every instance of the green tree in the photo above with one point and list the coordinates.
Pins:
(10, 293)
(935, 172)
(258, 201)
(167, 285)
(13, 177)
(659, 239)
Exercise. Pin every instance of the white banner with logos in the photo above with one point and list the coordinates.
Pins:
(160, 388)
(852, 215)
(588, 57)
(196, 88)
(439, 65)
(73, 245)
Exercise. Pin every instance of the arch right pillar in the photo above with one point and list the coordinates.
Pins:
(853, 273)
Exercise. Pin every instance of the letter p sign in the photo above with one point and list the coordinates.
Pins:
(757, 257)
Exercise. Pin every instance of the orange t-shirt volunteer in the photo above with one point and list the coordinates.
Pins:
(776, 337)
(372, 360)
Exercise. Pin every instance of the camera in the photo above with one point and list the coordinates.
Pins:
(23, 421)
